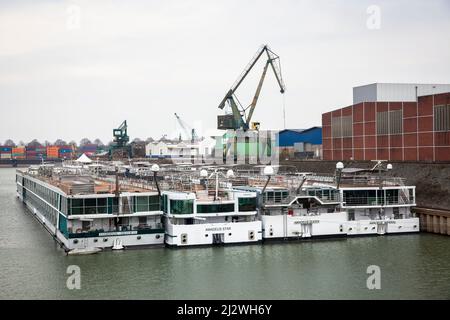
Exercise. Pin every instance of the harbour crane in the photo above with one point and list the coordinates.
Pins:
(239, 119)
(120, 149)
(188, 130)
(121, 137)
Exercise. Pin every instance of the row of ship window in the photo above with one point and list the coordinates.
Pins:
(275, 196)
(365, 197)
(187, 206)
(45, 209)
(77, 206)
(42, 191)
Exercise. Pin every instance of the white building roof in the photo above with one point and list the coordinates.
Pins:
(396, 92)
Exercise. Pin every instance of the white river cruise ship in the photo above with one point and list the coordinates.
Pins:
(83, 211)
(353, 202)
(210, 212)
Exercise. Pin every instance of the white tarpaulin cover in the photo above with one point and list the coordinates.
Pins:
(84, 159)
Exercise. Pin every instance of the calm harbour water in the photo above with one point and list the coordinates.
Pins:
(34, 267)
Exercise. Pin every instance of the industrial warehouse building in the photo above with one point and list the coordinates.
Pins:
(300, 143)
(402, 122)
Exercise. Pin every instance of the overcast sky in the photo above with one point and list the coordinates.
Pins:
(74, 69)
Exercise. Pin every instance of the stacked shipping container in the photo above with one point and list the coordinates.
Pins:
(18, 153)
(88, 149)
(41, 152)
(65, 152)
(52, 152)
(5, 152)
(36, 153)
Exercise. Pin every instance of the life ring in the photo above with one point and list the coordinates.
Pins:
(78, 230)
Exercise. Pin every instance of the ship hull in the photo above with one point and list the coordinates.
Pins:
(103, 241)
(208, 234)
(331, 225)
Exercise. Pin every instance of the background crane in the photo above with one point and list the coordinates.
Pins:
(238, 119)
(120, 148)
(187, 129)
(121, 137)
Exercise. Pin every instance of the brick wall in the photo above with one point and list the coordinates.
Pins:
(417, 142)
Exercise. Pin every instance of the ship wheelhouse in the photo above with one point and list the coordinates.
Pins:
(201, 218)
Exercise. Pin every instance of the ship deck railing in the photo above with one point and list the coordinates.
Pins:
(373, 201)
(292, 182)
(372, 180)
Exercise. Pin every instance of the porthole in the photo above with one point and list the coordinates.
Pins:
(206, 235)
(158, 236)
(75, 241)
(415, 226)
(105, 239)
(95, 240)
(350, 229)
(138, 237)
(229, 234)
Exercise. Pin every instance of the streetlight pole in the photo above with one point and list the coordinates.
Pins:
(268, 171)
(155, 169)
(382, 193)
(339, 168)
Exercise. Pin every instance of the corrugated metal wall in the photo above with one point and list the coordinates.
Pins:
(396, 92)
(287, 138)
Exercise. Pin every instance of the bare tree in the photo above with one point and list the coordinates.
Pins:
(84, 142)
(60, 142)
(99, 142)
(10, 143)
(34, 143)
(73, 143)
